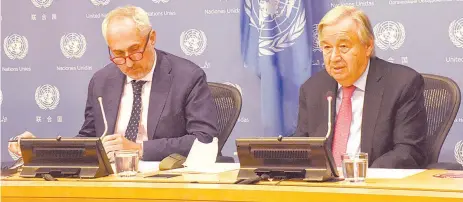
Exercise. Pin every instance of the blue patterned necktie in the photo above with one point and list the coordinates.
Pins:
(132, 128)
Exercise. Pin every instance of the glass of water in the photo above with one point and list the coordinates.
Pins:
(126, 162)
(354, 166)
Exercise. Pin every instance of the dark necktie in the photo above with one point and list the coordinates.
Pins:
(132, 128)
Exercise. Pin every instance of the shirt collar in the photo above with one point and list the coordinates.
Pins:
(149, 76)
(362, 81)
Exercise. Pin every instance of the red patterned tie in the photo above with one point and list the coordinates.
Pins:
(342, 127)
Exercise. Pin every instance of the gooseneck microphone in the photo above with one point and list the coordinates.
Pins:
(100, 100)
(329, 98)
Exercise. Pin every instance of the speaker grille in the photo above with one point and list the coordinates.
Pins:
(281, 153)
(61, 153)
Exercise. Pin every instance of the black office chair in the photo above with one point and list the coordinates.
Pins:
(442, 101)
(228, 102)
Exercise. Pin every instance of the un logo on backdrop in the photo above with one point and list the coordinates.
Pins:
(15, 46)
(456, 32)
(47, 97)
(193, 42)
(73, 45)
(279, 23)
(100, 2)
(389, 35)
(160, 1)
(42, 3)
(459, 152)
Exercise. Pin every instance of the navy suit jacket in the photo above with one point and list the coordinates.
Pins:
(181, 106)
(394, 120)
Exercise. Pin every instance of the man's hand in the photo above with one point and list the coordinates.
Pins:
(14, 146)
(115, 142)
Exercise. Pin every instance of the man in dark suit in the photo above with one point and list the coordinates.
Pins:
(155, 102)
(378, 107)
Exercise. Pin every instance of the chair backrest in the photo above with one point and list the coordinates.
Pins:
(442, 101)
(228, 102)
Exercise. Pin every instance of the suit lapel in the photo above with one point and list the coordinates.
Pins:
(371, 105)
(160, 88)
(112, 96)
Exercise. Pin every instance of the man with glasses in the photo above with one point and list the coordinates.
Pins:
(155, 102)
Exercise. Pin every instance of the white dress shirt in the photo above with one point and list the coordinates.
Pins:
(353, 143)
(125, 107)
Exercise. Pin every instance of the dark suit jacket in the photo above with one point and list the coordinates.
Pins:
(181, 106)
(394, 121)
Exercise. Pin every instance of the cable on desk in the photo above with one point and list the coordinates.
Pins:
(253, 180)
(48, 177)
(281, 180)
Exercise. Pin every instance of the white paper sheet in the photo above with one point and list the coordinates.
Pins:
(202, 155)
(143, 166)
(148, 166)
(211, 169)
(382, 173)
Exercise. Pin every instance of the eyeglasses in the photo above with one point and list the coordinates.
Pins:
(134, 56)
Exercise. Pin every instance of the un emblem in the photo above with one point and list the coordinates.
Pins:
(160, 1)
(15, 46)
(193, 42)
(73, 45)
(42, 3)
(100, 2)
(459, 152)
(316, 44)
(456, 32)
(236, 86)
(279, 23)
(389, 35)
(47, 97)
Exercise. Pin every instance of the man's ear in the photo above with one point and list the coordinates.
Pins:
(153, 37)
(370, 47)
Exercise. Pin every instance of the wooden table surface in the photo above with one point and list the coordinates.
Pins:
(219, 187)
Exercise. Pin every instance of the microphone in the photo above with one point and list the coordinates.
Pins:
(329, 98)
(100, 100)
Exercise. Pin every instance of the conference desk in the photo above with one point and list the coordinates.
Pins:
(421, 187)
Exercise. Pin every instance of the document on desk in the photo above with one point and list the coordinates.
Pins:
(202, 160)
(148, 166)
(202, 155)
(143, 166)
(383, 173)
(211, 169)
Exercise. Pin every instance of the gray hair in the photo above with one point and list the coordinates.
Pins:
(365, 31)
(137, 14)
